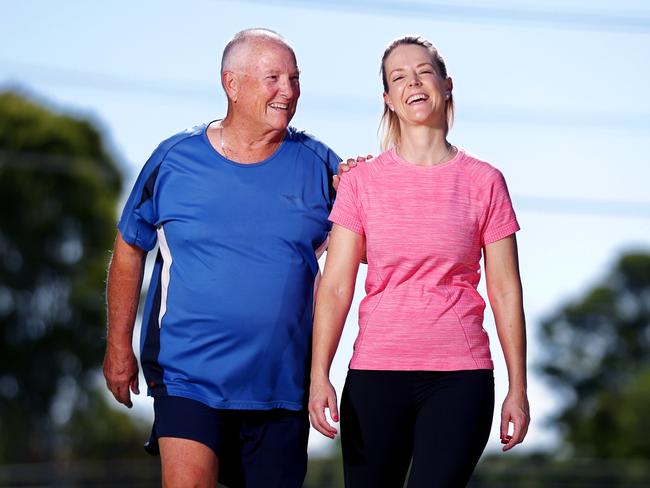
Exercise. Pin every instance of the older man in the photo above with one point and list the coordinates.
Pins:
(239, 210)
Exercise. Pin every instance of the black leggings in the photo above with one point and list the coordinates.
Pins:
(439, 420)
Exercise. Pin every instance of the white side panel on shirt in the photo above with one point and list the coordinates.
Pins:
(164, 276)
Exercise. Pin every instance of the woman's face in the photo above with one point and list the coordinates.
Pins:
(416, 91)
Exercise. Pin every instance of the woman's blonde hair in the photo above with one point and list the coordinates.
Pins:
(389, 130)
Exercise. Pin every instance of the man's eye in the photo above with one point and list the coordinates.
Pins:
(426, 72)
(295, 79)
(397, 78)
(272, 77)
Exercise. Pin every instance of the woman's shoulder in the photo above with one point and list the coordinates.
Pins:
(365, 170)
(478, 168)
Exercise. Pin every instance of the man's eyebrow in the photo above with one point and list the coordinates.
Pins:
(277, 72)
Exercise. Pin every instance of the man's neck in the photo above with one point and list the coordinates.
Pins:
(243, 142)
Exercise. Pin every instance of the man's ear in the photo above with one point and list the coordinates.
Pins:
(230, 83)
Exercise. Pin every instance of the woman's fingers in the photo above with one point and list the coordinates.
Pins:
(318, 402)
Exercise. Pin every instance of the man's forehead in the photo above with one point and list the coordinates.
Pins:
(268, 55)
(264, 47)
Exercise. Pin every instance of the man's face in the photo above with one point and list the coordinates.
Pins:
(269, 84)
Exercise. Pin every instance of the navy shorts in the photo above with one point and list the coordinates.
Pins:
(255, 448)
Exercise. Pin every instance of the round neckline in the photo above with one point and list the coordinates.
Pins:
(419, 167)
(206, 139)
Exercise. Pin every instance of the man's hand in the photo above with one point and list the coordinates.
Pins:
(345, 167)
(121, 373)
(122, 295)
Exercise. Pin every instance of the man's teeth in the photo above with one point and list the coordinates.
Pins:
(282, 106)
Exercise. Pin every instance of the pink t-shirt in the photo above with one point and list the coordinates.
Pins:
(425, 227)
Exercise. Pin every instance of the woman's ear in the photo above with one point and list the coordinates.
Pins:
(449, 87)
(388, 102)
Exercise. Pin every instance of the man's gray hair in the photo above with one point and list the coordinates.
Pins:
(248, 35)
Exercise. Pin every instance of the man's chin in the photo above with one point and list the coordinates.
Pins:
(280, 121)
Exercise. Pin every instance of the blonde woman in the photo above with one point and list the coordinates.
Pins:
(420, 386)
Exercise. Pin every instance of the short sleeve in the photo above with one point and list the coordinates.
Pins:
(332, 160)
(138, 221)
(499, 219)
(346, 206)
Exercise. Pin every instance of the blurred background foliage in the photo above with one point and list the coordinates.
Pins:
(597, 351)
(59, 188)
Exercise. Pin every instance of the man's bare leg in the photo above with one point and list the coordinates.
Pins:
(187, 464)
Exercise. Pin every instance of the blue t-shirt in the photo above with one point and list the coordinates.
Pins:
(228, 315)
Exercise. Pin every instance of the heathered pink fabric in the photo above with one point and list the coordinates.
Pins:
(424, 228)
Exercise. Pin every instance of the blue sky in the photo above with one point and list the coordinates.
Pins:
(552, 93)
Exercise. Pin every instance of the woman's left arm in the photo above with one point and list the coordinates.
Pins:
(505, 295)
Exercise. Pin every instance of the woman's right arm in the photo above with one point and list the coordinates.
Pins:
(333, 302)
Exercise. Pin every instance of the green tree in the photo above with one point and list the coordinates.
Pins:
(58, 193)
(597, 349)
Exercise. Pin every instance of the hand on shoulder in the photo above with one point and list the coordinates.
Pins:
(346, 166)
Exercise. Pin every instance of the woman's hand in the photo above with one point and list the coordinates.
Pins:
(321, 396)
(515, 410)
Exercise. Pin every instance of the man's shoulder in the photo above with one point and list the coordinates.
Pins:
(319, 148)
(188, 134)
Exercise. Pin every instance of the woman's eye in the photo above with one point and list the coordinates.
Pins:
(397, 78)
(272, 77)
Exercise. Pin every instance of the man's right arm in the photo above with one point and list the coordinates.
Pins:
(123, 286)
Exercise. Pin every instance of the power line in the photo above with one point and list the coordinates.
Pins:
(574, 206)
(560, 18)
(619, 120)
(103, 81)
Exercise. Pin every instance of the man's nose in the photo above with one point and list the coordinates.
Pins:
(288, 87)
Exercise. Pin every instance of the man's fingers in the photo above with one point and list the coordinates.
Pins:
(335, 182)
(135, 385)
(361, 159)
(124, 396)
(121, 393)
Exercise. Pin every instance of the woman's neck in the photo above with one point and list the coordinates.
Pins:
(424, 146)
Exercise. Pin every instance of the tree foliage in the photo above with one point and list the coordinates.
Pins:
(58, 193)
(597, 348)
